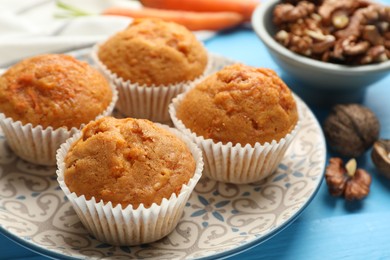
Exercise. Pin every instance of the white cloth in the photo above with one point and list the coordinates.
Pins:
(31, 27)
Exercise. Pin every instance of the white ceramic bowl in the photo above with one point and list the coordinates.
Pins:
(313, 73)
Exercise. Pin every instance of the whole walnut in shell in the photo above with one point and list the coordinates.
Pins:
(351, 129)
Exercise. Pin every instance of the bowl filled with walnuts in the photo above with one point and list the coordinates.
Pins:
(327, 44)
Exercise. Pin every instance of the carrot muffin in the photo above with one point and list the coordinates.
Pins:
(45, 99)
(240, 104)
(127, 161)
(151, 62)
(242, 118)
(53, 90)
(154, 52)
(128, 173)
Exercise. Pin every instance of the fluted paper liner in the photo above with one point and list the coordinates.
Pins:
(128, 226)
(236, 163)
(38, 145)
(142, 101)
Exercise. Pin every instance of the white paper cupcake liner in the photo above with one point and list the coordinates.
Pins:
(142, 101)
(36, 144)
(128, 226)
(236, 163)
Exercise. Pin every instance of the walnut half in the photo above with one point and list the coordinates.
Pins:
(347, 181)
(380, 155)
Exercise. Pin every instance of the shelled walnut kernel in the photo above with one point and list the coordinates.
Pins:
(351, 32)
(347, 181)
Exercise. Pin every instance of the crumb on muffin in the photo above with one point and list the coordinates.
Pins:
(128, 162)
(240, 104)
(154, 52)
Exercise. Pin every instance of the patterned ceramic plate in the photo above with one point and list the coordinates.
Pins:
(219, 219)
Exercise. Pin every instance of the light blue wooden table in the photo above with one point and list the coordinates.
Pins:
(329, 228)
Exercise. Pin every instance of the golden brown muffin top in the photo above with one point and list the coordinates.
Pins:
(53, 90)
(240, 104)
(127, 161)
(152, 51)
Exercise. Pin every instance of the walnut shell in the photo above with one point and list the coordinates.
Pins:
(351, 129)
(381, 156)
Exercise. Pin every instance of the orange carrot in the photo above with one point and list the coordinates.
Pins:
(192, 20)
(244, 7)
